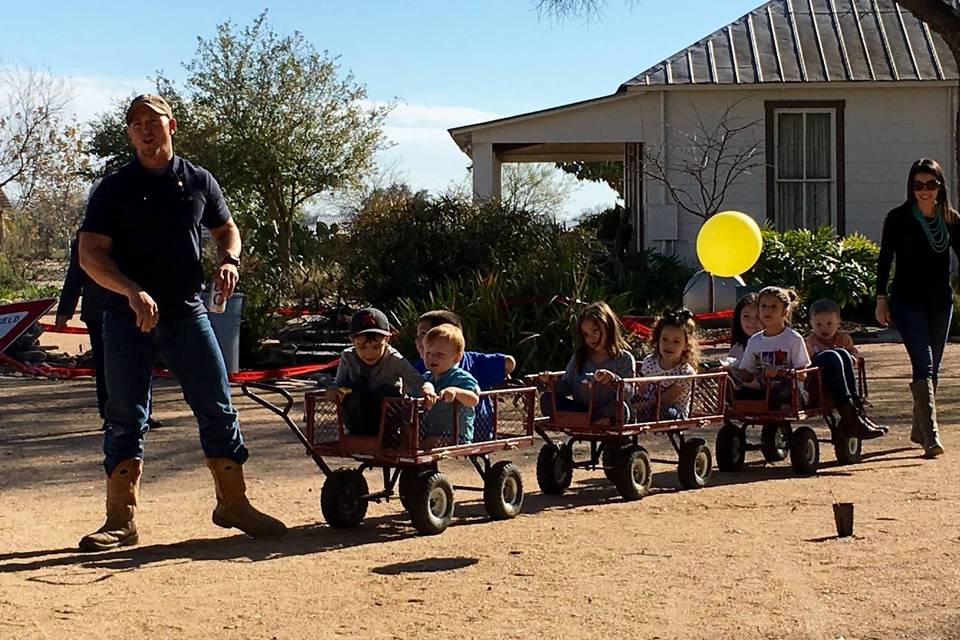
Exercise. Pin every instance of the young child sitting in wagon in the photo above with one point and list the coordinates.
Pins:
(746, 322)
(370, 371)
(834, 352)
(675, 353)
(455, 393)
(771, 354)
(490, 369)
(602, 355)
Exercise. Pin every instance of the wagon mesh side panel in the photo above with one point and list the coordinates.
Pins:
(708, 397)
(397, 422)
(323, 421)
(511, 415)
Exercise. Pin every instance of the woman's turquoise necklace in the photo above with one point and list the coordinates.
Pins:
(935, 229)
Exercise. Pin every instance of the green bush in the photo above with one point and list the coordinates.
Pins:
(402, 244)
(529, 313)
(818, 264)
(15, 285)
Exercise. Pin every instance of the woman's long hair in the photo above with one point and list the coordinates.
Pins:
(927, 165)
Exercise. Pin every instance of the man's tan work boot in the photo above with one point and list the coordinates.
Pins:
(233, 509)
(120, 529)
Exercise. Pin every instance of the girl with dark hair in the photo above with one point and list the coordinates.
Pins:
(746, 322)
(918, 235)
(675, 353)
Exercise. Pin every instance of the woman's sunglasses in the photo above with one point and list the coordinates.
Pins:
(929, 185)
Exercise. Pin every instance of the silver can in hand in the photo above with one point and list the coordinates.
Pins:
(216, 303)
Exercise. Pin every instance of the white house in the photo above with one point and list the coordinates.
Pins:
(843, 95)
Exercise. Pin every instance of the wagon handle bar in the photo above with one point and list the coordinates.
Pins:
(284, 414)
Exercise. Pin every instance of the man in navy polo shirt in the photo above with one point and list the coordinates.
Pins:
(140, 240)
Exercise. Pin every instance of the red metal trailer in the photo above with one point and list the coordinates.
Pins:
(614, 440)
(409, 470)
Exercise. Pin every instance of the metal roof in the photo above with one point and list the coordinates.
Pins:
(811, 41)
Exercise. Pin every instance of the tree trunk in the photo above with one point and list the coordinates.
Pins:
(283, 244)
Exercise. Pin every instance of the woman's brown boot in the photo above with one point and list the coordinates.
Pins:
(120, 529)
(925, 416)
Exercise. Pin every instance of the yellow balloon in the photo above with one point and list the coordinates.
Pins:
(729, 243)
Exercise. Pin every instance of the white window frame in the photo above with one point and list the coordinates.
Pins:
(832, 112)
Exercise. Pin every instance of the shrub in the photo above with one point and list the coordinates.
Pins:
(818, 264)
(401, 243)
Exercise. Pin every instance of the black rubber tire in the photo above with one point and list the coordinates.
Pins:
(405, 484)
(431, 503)
(848, 450)
(340, 500)
(554, 469)
(695, 464)
(731, 447)
(633, 473)
(804, 451)
(775, 441)
(609, 457)
(503, 491)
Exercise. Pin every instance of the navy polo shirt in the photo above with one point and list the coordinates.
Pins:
(154, 223)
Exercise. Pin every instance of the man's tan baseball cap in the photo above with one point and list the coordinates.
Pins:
(152, 101)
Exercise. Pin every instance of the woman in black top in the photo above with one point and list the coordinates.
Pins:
(918, 234)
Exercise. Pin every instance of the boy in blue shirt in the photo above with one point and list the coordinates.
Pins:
(456, 392)
(489, 369)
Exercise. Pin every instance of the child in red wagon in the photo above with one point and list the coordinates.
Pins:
(833, 351)
(602, 355)
(773, 352)
(455, 393)
(676, 353)
(370, 371)
(489, 369)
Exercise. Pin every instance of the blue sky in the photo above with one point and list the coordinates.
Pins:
(448, 62)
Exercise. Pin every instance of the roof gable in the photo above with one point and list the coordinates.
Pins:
(811, 41)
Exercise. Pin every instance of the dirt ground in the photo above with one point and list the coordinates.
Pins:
(753, 555)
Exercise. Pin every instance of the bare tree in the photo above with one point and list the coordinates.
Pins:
(537, 188)
(942, 16)
(699, 170)
(40, 154)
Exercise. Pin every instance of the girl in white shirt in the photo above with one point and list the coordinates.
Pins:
(771, 354)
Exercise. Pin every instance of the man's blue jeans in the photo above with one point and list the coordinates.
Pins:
(190, 350)
(924, 334)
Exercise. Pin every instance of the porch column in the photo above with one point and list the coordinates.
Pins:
(486, 172)
(633, 192)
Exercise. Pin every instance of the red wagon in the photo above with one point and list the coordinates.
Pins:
(614, 441)
(778, 438)
(409, 470)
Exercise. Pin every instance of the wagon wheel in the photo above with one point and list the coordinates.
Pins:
(431, 503)
(848, 450)
(341, 499)
(405, 485)
(608, 459)
(695, 465)
(503, 491)
(633, 474)
(731, 447)
(775, 441)
(554, 468)
(804, 451)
